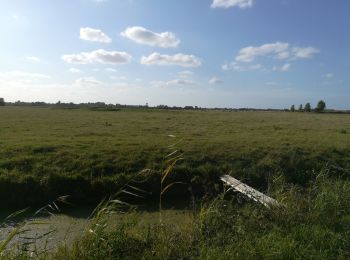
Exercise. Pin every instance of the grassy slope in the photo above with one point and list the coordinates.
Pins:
(48, 152)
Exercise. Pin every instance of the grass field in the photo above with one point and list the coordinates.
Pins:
(301, 159)
(48, 152)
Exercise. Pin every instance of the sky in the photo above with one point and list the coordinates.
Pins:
(207, 53)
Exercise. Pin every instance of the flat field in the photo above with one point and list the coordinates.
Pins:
(48, 152)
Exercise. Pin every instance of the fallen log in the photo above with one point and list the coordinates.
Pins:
(250, 192)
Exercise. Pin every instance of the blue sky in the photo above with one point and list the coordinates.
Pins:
(223, 53)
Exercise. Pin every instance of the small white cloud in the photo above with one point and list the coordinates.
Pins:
(111, 70)
(215, 80)
(304, 53)
(248, 54)
(173, 82)
(33, 58)
(75, 70)
(232, 3)
(88, 81)
(185, 74)
(94, 35)
(277, 50)
(283, 68)
(144, 36)
(99, 56)
(177, 59)
(328, 76)
(241, 67)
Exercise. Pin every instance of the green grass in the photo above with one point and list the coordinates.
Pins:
(47, 152)
(313, 223)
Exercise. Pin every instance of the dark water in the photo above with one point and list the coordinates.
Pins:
(71, 221)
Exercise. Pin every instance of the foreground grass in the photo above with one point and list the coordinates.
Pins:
(314, 223)
(46, 152)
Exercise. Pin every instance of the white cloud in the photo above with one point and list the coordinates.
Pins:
(173, 82)
(185, 74)
(33, 58)
(248, 54)
(75, 70)
(215, 80)
(88, 81)
(241, 67)
(304, 53)
(232, 3)
(277, 50)
(283, 68)
(328, 76)
(99, 56)
(144, 36)
(111, 70)
(177, 59)
(94, 35)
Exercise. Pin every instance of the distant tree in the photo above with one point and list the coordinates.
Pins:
(321, 105)
(300, 108)
(292, 108)
(307, 107)
(2, 102)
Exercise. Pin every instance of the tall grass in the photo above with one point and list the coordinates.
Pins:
(313, 224)
(170, 160)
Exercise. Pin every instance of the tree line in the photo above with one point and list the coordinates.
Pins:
(320, 107)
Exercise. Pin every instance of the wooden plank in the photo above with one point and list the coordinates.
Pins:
(249, 191)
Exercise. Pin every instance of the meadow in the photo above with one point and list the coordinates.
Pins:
(90, 154)
(300, 159)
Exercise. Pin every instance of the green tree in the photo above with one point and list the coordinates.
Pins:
(2, 102)
(292, 108)
(307, 107)
(300, 108)
(321, 105)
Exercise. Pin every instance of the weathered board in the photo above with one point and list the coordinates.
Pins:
(249, 191)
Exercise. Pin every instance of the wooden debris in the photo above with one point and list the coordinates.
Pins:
(250, 192)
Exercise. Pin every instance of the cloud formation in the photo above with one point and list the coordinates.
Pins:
(283, 68)
(232, 3)
(165, 60)
(94, 35)
(304, 53)
(215, 80)
(99, 56)
(173, 82)
(277, 50)
(88, 81)
(328, 76)
(142, 35)
(241, 67)
(185, 74)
